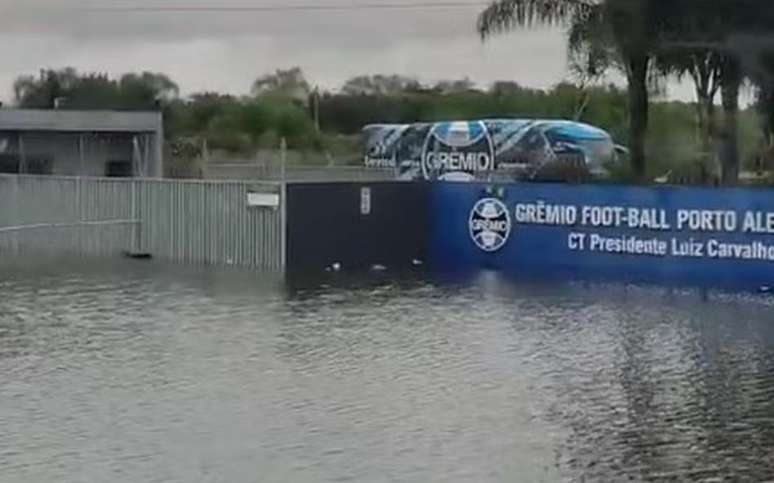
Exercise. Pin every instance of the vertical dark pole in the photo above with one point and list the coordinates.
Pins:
(22, 154)
(81, 154)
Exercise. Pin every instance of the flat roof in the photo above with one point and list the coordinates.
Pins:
(79, 121)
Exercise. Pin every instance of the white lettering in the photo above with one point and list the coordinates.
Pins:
(647, 219)
(541, 213)
(758, 222)
(379, 162)
(459, 161)
(603, 215)
(576, 241)
(706, 220)
(489, 225)
(687, 248)
(627, 245)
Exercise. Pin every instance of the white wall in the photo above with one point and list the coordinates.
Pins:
(55, 133)
(80, 121)
(64, 150)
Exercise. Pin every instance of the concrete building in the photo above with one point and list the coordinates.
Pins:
(81, 143)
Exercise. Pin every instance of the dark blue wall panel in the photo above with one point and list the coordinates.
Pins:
(721, 253)
(326, 225)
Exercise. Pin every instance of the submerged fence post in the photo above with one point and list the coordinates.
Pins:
(22, 155)
(135, 220)
(16, 220)
(283, 205)
(283, 158)
(283, 226)
(81, 236)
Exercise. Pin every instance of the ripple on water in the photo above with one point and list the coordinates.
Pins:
(141, 372)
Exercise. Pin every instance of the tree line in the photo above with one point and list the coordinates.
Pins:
(673, 136)
(719, 45)
(284, 104)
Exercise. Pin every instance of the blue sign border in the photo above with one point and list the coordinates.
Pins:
(542, 249)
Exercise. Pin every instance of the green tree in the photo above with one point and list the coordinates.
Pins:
(454, 86)
(712, 25)
(287, 83)
(507, 88)
(704, 67)
(42, 92)
(196, 113)
(764, 80)
(720, 43)
(147, 87)
(69, 89)
(624, 30)
(380, 85)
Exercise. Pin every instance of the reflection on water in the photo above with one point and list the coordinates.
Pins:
(142, 372)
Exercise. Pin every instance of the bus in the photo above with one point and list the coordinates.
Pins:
(491, 149)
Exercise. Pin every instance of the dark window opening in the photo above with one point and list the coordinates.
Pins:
(9, 164)
(118, 169)
(38, 166)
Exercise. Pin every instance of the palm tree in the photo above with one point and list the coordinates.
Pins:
(704, 67)
(721, 43)
(764, 81)
(625, 29)
(709, 26)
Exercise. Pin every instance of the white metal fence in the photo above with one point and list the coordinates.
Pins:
(198, 222)
(296, 173)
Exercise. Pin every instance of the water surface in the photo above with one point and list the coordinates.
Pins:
(134, 371)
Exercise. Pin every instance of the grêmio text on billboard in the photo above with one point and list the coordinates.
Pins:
(592, 235)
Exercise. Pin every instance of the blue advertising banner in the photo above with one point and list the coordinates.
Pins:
(709, 236)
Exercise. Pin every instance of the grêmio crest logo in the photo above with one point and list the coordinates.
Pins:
(490, 224)
(457, 151)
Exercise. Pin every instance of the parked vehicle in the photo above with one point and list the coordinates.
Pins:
(499, 149)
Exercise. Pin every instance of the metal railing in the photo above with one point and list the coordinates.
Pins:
(197, 222)
(296, 173)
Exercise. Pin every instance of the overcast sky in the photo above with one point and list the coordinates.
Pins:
(225, 51)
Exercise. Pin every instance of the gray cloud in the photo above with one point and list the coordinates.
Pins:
(225, 51)
(75, 18)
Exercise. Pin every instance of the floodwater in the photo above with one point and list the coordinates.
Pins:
(141, 372)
